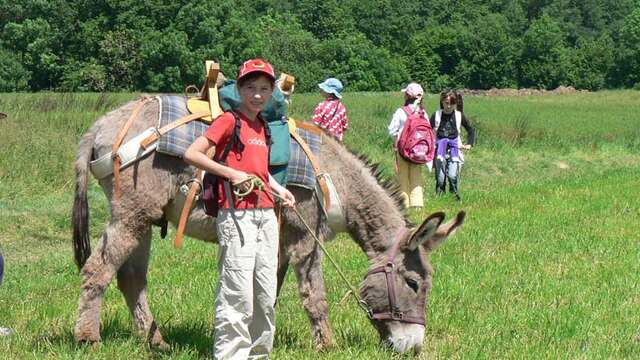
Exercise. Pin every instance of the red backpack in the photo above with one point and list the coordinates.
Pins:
(417, 141)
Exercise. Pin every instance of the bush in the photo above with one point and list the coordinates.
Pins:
(13, 76)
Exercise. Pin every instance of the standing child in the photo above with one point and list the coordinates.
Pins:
(409, 173)
(331, 114)
(447, 123)
(247, 226)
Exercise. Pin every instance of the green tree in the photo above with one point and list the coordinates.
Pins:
(13, 76)
(290, 49)
(324, 18)
(544, 60)
(35, 43)
(165, 59)
(361, 65)
(120, 57)
(592, 62)
(629, 51)
(488, 52)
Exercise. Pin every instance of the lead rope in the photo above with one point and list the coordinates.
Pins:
(255, 182)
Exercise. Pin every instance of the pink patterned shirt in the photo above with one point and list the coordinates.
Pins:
(331, 115)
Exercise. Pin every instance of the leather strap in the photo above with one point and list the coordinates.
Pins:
(165, 129)
(314, 162)
(194, 188)
(195, 185)
(313, 128)
(116, 145)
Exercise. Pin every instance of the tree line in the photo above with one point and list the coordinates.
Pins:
(371, 45)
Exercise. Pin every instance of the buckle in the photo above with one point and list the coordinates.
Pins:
(397, 315)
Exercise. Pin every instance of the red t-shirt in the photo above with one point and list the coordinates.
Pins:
(254, 159)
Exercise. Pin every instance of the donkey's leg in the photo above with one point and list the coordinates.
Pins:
(111, 252)
(283, 265)
(308, 270)
(132, 282)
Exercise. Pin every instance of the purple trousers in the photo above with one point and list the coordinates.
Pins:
(443, 144)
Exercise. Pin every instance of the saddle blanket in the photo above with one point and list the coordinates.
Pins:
(176, 141)
(300, 171)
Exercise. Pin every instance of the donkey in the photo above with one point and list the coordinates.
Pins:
(395, 297)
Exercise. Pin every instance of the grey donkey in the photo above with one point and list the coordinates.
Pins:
(150, 195)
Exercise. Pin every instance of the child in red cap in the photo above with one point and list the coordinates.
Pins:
(247, 227)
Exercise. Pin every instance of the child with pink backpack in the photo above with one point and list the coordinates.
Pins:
(414, 144)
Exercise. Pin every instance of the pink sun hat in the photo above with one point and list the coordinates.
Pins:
(414, 90)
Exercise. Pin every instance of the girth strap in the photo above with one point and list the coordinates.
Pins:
(116, 145)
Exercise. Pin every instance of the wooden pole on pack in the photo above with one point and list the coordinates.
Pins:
(286, 81)
(210, 93)
(210, 90)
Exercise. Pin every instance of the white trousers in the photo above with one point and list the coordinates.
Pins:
(246, 293)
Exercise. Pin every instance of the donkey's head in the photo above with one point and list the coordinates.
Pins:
(396, 288)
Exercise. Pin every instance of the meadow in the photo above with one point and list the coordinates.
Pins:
(545, 267)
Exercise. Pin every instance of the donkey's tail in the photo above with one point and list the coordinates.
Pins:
(80, 217)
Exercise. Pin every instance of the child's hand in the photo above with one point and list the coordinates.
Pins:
(287, 197)
(239, 181)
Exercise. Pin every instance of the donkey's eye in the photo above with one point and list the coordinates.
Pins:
(412, 284)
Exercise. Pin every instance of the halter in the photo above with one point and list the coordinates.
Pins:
(389, 269)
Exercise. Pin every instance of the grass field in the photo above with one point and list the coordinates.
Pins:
(546, 265)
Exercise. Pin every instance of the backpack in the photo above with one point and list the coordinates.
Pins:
(274, 113)
(416, 142)
(210, 181)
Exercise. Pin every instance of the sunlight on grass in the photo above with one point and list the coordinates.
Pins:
(545, 267)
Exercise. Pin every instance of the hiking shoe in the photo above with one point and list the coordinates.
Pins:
(5, 331)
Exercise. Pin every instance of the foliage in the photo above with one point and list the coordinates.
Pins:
(13, 76)
(161, 45)
(544, 58)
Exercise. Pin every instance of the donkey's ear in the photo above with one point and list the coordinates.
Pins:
(444, 231)
(425, 231)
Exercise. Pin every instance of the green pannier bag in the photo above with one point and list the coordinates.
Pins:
(275, 113)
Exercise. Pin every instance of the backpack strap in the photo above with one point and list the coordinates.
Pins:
(407, 110)
(437, 120)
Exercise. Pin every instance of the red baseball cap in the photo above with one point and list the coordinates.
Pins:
(254, 65)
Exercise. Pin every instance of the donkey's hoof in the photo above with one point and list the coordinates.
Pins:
(92, 341)
(156, 342)
(325, 344)
(161, 346)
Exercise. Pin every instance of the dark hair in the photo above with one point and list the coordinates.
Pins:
(253, 76)
(453, 97)
(409, 101)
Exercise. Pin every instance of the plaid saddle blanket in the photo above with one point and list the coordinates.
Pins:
(300, 171)
(176, 141)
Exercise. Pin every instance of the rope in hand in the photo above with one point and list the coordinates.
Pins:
(255, 182)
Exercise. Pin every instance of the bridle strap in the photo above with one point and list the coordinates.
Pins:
(388, 269)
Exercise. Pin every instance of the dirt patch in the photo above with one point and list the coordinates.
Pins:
(521, 92)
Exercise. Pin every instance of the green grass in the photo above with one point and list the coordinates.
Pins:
(546, 265)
